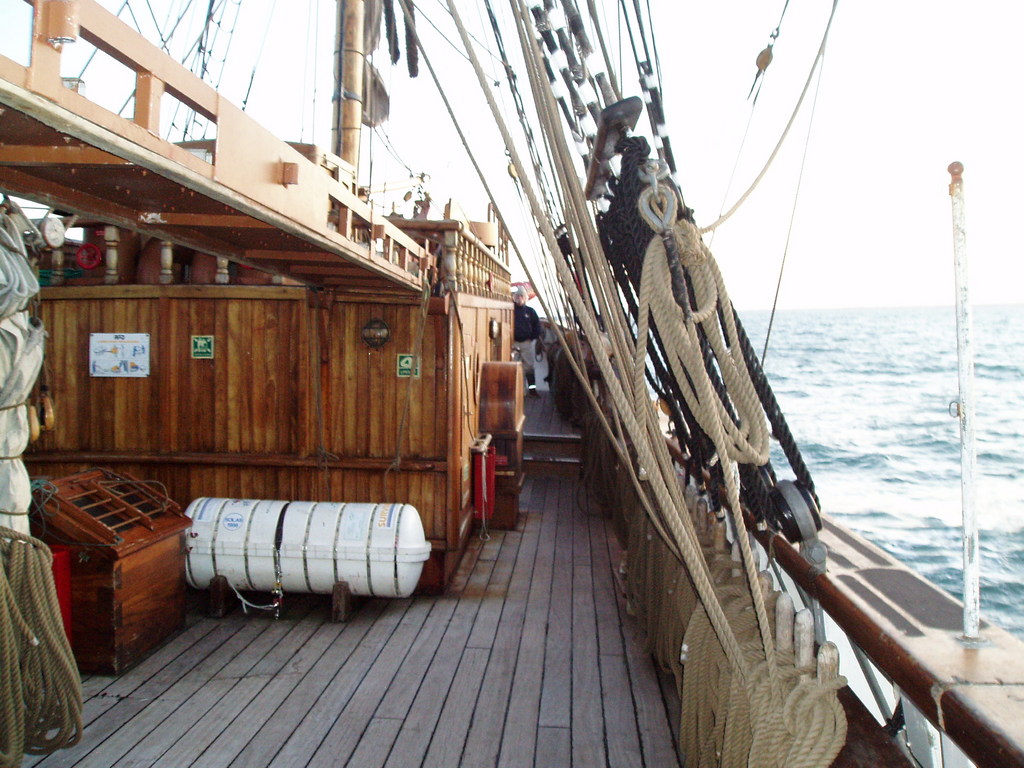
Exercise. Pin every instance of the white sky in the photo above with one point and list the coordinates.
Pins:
(906, 89)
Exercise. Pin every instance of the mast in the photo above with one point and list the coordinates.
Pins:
(348, 77)
(964, 408)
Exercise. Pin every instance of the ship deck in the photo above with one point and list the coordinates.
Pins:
(530, 659)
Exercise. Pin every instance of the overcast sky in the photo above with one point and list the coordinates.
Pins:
(906, 89)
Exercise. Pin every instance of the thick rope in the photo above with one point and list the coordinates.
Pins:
(657, 491)
(742, 441)
(40, 690)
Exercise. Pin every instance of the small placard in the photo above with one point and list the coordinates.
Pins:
(119, 354)
(408, 366)
(202, 347)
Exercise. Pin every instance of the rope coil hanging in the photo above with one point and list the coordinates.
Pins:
(40, 690)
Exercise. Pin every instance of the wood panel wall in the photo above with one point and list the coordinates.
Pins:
(293, 406)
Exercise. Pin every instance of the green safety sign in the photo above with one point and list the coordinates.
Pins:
(408, 366)
(202, 347)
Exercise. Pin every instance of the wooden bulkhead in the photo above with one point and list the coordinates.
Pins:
(292, 404)
(271, 251)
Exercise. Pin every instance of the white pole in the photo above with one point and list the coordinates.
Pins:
(965, 407)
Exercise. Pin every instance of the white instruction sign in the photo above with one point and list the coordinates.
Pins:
(119, 354)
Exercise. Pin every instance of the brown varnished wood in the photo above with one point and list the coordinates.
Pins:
(293, 405)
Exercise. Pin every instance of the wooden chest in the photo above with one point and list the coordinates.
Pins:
(127, 544)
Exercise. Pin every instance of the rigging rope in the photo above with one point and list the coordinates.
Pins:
(792, 213)
(598, 307)
(778, 146)
(665, 493)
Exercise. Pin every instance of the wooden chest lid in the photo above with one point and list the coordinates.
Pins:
(99, 507)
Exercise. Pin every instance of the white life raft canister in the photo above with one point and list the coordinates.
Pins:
(379, 549)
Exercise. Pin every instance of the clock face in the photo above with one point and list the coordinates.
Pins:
(52, 230)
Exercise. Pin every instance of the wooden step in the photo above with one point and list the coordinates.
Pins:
(552, 455)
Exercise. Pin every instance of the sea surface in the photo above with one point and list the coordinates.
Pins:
(867, 394)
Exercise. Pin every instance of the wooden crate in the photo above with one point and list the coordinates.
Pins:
(506, 500)
(502, 416)
(127, 543)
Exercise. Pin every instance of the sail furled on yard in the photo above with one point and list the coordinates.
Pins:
(376, 102)
(21, 358)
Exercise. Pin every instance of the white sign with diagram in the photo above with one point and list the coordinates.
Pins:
(119, 354)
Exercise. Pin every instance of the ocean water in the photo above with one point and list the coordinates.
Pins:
(867, 392)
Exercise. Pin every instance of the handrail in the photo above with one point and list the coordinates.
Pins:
(250, 169)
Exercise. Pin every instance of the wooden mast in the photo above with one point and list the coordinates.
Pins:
(348, 73)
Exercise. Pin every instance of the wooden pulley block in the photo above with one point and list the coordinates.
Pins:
(47, 417)
(33, 423)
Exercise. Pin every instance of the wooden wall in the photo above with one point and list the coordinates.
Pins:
(292, 406)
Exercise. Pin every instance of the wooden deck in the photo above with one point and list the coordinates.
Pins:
(530, 660)
(542, 419)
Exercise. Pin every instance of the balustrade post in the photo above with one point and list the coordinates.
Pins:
(166, 262)
(112, 238)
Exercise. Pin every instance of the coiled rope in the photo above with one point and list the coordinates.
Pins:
(741, 440)
(40, 690)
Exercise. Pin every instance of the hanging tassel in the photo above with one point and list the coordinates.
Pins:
(391, 30)
(411, 50)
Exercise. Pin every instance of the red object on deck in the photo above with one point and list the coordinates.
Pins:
(484, 482)
(62, 581)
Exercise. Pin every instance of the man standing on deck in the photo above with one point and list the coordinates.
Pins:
(526, 331)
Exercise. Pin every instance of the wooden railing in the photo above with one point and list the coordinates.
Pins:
(467, 262)
(262, 180)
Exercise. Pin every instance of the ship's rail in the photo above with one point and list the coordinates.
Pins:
(898, 631)
(474, 266)
(244, 195)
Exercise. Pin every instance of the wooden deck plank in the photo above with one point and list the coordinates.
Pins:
(153, 713)
(485, 735)
(623, 741)
(376, 744)
(542, 419)
(519, 743)
(176, 717)
(415, 736)
(447, 742)
(320, 713)
(275, 726)
(228, 706)
(399, 697)
(554, 747)
(556, 696)
(609, 623)
(244, 717)
(345, 733)
(657, 734)
(101, 692)
(657, 705)
(106, 713)
(588, 747)
(105, 691)
(486, 626)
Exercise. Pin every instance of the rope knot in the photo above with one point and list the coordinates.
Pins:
(692, 251)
